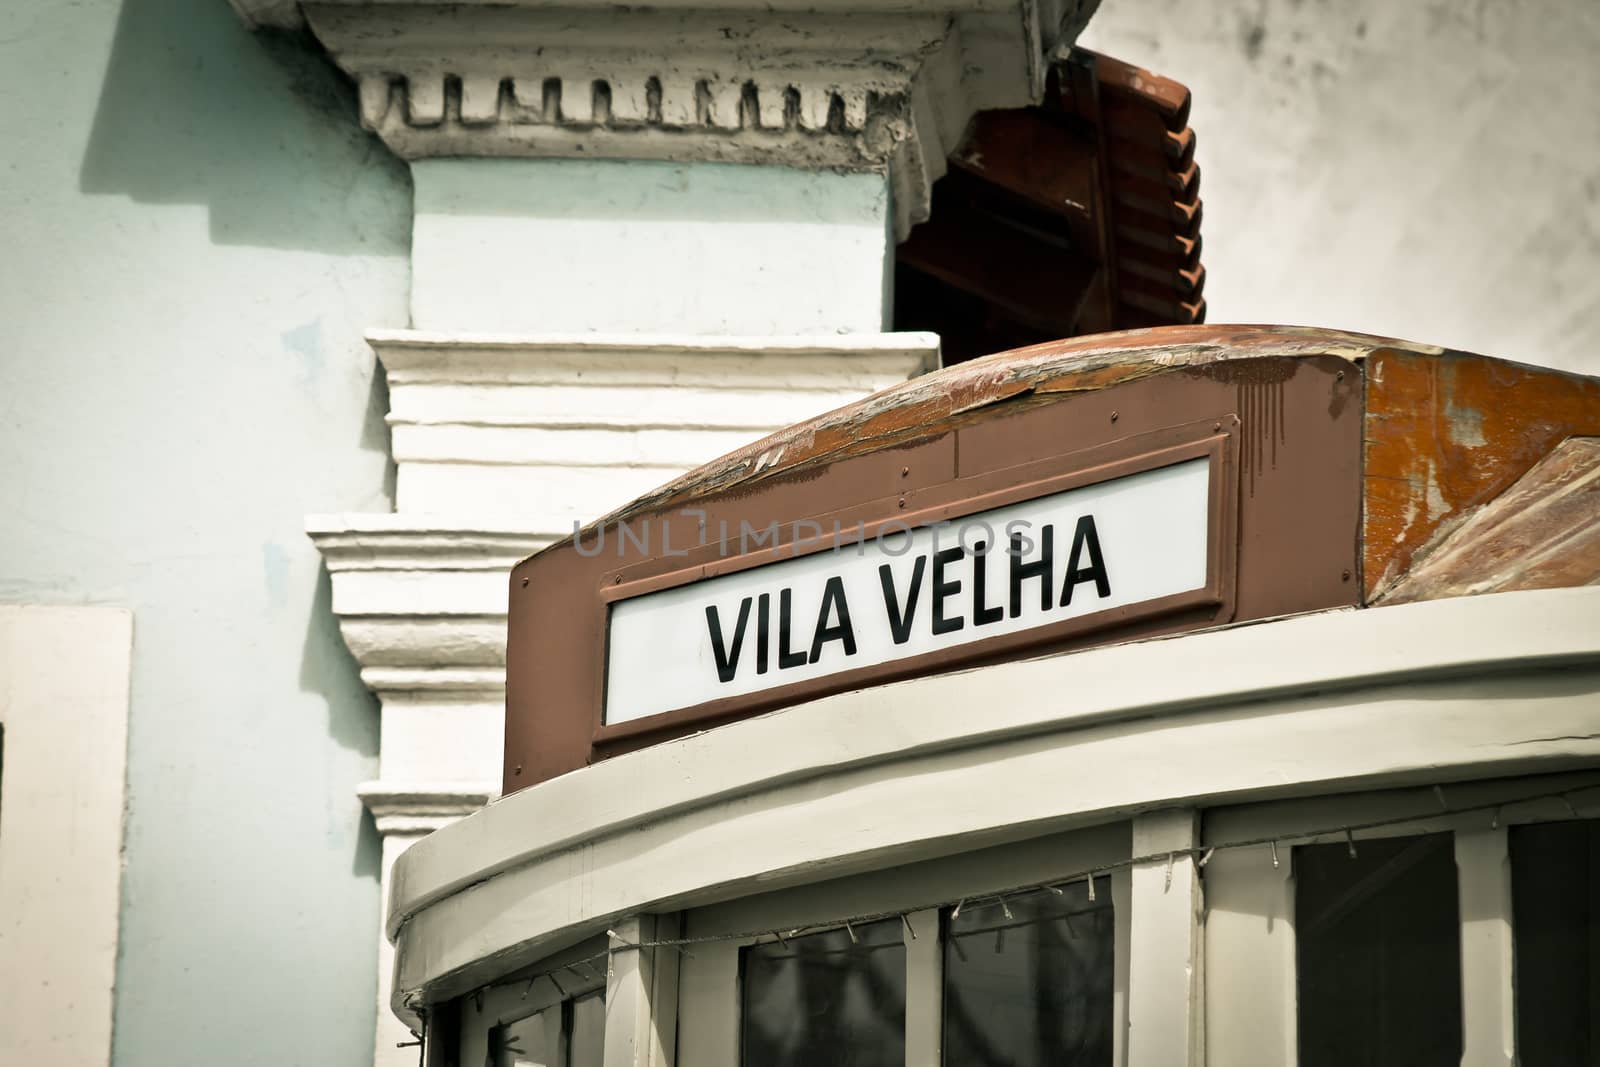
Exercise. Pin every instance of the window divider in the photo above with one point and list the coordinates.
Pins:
(1122, 912)
(642, 993)
(1488, 997)
(924, 987)
(1164, 1002)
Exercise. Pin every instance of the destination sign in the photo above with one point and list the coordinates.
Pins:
(910, 592)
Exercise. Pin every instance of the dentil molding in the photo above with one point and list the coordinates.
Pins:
(885, 85)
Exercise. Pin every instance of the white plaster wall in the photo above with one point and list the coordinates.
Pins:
(1427, 169)
(194, 236)
(575, 245)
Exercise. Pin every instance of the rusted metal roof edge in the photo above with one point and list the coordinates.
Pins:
(932, 404)
(1543, 532)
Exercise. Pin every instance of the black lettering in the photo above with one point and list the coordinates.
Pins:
(727, 662)
(943, 589)
(1086, 538)
(900, 621)
(786, 658)
(763, 631)
(1041, 568)
(982, 614)
(833, 601)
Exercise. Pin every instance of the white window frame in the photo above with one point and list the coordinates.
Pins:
(64, 687)
(709, 994)
(1250, 1006)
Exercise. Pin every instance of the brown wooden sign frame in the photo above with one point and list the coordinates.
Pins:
(1212, 439)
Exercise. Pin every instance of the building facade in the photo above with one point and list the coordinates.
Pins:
(233, 305)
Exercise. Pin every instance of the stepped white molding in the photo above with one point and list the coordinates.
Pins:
(422, 807)
(422, 604)
(539, 433)
(535, 434)
(885, 85)
(501, 443)
(561, 430)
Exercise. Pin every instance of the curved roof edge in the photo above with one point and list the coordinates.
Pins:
(1469, 685)
(931, 404)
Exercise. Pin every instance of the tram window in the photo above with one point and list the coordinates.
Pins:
(528, 1042)
(836, 998)
(569, 1034)
(1032, 988)
(1378, 951)
(588, 1028)
(1555, 879)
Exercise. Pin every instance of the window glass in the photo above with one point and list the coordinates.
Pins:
(1555, 879)
(588, 1043)
(826, 999)
(526, 1042)
(1032, 988)
(1378, 952)
(570, 1034)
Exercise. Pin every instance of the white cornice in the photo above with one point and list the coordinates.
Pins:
(486, 682)
(563, 428)
(885, 86)
(376, 542)
(421, 600)
(838, 361)
(421, 807)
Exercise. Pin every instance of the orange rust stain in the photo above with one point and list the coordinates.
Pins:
(1446, 434)
(1542, 533)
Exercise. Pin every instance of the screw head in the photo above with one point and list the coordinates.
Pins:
(1113, 416)
(617, 580)
(524, 583)
(1339, 377)
(905, 472)
(1344, 576)
(902, 502)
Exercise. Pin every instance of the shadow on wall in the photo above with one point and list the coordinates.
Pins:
(260, 127)
(328, 670)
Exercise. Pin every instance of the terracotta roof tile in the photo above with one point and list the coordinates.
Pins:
(1155, 183)
(1092, 203)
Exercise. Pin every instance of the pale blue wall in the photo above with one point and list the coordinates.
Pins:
(585, 245)
(195, 233)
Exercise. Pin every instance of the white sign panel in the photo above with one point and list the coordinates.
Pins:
(1012, 568)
